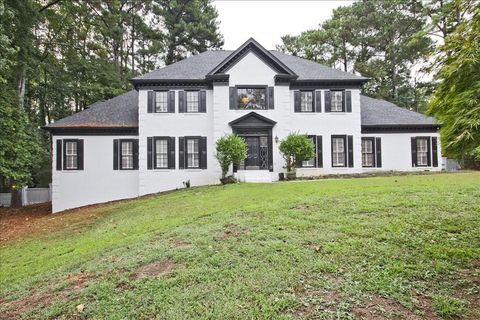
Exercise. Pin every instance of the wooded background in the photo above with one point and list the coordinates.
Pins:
(59, 56)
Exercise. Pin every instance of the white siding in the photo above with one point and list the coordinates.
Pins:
(175, 125)
(97, 182)
(397, 152)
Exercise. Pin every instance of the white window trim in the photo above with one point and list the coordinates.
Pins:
(187, 153)
(334, 153)
(166, 93)
(156, 167)
(71, 155)
(332, 99)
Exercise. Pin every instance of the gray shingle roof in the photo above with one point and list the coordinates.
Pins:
(193, 68)
(198, 66)
(118, 112)
(380, 112)
(122, 112)
(310, 70)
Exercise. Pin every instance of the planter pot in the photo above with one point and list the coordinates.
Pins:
(291, 175)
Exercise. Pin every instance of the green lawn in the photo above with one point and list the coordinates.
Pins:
(391, 247)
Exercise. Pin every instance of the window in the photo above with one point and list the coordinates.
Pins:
(192, 101)
(367, 152)
(126, 152)
(251, 98)
(193, 155)
(337, 101)
(311, 162)
(161, 101)
(71, 156)
(306, 101)
(161, 153)
(422, 151)
(338, 152)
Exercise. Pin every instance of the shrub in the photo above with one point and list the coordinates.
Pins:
(296, 148)
(231, 149)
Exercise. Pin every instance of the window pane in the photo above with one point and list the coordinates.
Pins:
(338, 145)
(192, 101)
(367, 153)
(71, 148)
(161, 101)
(311, 162)
(193, 159)
(127, 154)
(251, 98)
(337, 101)
(422, 152)
(161, 149)
(306, 101)
(71, 155)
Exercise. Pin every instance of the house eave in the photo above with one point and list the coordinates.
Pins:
(401, 128)
(92, 131)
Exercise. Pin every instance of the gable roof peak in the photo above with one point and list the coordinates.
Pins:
(251, 45)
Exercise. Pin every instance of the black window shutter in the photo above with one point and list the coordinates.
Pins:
(171, 101)
(149, 153)
(318, 101)
(328, 101)
(203, 152)
(350, 151)
(181, 101)
(429, 153)
(59, 155)
(271, 102)
(434, 151)
(135, 154)
(80, 154)
(151, 101)
(414, 151)
(202, 98)
(319, 152)
(378, 152)
(115, 154)
(181, 153)
(233, 98)
(296, 101)
(171, 153)
(348, 100)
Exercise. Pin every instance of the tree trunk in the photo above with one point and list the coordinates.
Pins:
(20, 84)
(16, 201)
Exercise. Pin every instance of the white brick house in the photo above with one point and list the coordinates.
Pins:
(163, 133)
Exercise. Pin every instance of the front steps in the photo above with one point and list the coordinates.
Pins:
(254, 176)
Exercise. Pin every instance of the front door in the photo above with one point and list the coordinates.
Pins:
(252, 162)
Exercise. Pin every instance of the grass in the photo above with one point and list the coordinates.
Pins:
(392, 247)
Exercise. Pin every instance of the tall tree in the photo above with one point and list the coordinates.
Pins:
(186, 27)
(57, 57)
(20, 147)
(456, 102)
(379, 39)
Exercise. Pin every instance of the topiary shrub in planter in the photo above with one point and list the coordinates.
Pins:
(231, 149)
(296, 148)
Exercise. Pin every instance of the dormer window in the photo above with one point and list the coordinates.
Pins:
(337, 101)
(252, 98)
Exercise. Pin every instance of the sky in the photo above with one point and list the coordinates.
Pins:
(267, 21)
